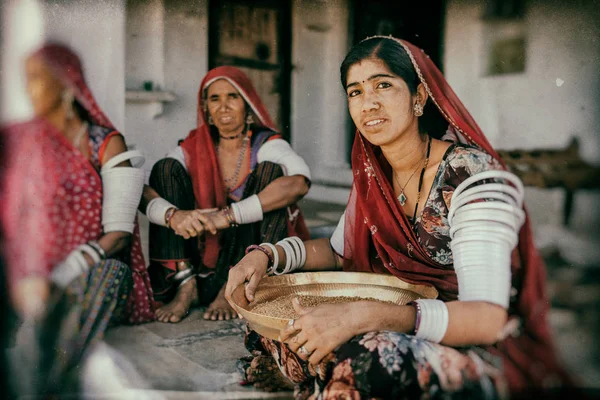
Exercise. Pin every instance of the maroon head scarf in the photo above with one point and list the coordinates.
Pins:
(379, 238)
(201, 156)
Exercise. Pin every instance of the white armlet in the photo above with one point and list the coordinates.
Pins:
(485, 221)
(156, 210)
(248, 210)
(280, 152)
(122, 192)
(178, 154)
(337, 238)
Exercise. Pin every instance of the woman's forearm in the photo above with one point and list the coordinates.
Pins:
(113, 242)
(147, 195)
(319, 256)
(474, 323)
(469, 323)
(283, 192)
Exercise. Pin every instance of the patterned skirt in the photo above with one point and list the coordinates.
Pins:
(389, 365)
(75, 319)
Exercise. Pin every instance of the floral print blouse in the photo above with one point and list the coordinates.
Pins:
(459, 163)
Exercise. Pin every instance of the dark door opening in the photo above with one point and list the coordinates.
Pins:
(255, 36)
(419, 22)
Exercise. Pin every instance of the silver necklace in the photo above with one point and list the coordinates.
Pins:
(231, 182)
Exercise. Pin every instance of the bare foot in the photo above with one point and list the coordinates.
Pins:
(220, 309)
(178, 308)
(264, 374)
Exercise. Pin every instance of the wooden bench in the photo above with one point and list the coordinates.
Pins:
(551, 168)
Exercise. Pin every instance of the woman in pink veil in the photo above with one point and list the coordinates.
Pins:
(71, 242)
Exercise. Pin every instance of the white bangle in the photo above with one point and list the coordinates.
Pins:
(122, 189)
(89, 250)
(248, 210)
(156, 210)
(434, 320)
(72, 267)
(295, 254)
(289, 257)
(272, 268)
(302, 248)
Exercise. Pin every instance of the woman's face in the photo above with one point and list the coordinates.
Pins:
(226, 107)
(379, 102)
(44, 89)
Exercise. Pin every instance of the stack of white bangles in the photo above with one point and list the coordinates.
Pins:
(295, 255)
(485, 221)
(121, 194)
(122, 191)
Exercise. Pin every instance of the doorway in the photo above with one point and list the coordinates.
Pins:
(255, 36)
(421, 23)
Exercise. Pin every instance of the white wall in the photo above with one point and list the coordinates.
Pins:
(530, 110)
(95, 30)
(167, 42)
(320, 41)
(22, 33)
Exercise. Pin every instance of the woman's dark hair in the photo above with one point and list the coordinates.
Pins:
(395, 57)
(387, 50)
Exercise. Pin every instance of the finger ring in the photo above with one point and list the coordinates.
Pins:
(291, 322)
(303, 350)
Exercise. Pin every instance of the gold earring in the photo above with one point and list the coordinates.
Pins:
(418, 109)
(249, 119)
(210, 120)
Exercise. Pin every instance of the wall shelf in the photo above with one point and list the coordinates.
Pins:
(155, 98)
(143, 96)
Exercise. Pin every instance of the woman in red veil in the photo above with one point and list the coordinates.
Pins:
(231, 183)
(415, 144)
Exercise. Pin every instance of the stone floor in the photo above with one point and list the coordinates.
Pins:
(194, 356)
(197, 358)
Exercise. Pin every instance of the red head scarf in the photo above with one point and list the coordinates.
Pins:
(200, 153)
(51, 198)
(379, 237)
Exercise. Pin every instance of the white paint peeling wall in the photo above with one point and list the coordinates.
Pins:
(556, 98)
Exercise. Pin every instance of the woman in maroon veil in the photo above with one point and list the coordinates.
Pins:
(406, 170)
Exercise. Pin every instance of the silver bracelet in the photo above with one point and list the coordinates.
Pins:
(96, 246)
